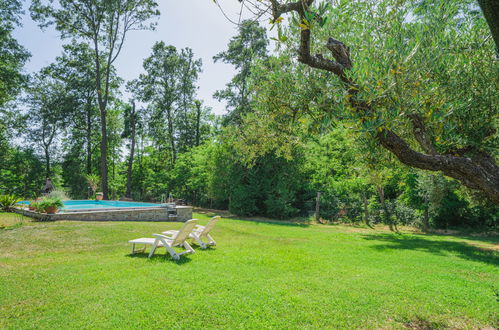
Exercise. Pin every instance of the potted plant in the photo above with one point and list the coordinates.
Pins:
(50, 205)
(99, 196)
(33, 204)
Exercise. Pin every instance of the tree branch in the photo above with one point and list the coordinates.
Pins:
(421, 135)
(480, 172)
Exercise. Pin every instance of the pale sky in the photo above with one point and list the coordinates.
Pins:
(197, 24)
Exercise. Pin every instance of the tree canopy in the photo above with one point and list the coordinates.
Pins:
(377, 111)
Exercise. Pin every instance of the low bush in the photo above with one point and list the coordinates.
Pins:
(60, 194)
(7, 202)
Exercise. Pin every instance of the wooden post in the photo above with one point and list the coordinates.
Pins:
(318, 207)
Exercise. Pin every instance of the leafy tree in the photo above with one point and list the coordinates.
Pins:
(168, 87)
(20, 173)
(243, 50)
(422, 90)
(76, 68)
(159, 87)
(190, 68)
(47, 100)
(12, 55)
(103, 24)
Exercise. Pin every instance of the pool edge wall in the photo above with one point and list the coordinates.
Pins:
(184, 213)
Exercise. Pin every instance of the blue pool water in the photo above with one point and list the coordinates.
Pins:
(83, 205)
(86, 205)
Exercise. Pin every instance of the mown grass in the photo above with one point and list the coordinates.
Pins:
(12, 220)
(261, 275)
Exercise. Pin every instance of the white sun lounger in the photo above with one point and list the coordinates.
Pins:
(179, 239)
(199, 232)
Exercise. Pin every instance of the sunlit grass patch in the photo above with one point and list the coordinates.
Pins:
(260, 275)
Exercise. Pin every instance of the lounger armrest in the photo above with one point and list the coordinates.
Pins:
(161, 236)
(199, 227)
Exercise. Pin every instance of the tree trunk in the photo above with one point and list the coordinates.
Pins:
(366, 209)
(386, 214)
(132, 151)
(171, 135)
(47, 161)
(426, 219)
(103, 155)
(318, 207)
(102, 101)
(198, 121)
(89, 139)
(490, 9)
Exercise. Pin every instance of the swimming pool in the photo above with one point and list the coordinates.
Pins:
(80, 205)
(92, 204)
(92, 210)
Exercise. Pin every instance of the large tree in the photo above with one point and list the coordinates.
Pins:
(76, 69)
(423, 85)
(48, 103)
(103, 24)
(168, 87)
(248, 46)
(190, 69)
(12, 54)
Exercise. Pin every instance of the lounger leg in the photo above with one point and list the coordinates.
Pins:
(198, 239)
(188, 247)
(172, 252)
(211, 240)
(133, 249)
(153, 248)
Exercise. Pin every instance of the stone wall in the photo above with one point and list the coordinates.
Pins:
(184, 213)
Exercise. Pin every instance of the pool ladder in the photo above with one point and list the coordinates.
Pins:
(172, 212)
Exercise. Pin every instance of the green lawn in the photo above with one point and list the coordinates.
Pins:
(261, 275)
(12, 220)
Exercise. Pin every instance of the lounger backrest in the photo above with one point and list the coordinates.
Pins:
(184, 232)
(213, 221)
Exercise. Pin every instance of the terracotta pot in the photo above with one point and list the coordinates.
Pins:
(51, 210)
(99, 196)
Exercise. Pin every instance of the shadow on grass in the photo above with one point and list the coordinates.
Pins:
(160, 258)
(423, 324)
(436, 247)
(227, 215)
(207, 250)
(280, 223)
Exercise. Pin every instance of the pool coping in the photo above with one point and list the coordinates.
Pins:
(182, 213)
(112, 208)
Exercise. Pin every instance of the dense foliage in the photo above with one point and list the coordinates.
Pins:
(290, 133)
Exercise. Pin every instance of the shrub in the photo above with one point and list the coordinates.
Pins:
(404, 214)
(8, 201)
(280, 206)
(60, 194)
(47, 203)
(243, 201)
